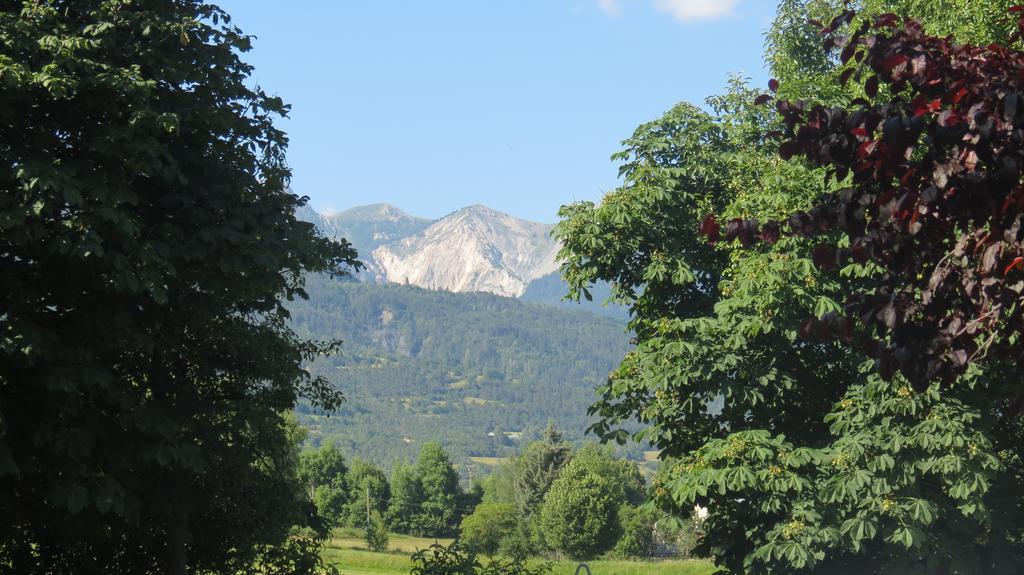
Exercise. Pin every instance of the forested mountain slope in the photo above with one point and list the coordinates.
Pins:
(419, 365)
(551, 289)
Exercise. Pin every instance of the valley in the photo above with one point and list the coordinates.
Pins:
(481, 373)
(456, 331)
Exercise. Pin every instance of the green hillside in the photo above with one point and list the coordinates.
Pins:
(478, 372)
(551, 290)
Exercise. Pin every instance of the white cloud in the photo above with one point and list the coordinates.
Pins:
(610, 7)
(693, 10)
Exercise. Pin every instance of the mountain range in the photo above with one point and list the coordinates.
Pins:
(449, 334)
(474, 249)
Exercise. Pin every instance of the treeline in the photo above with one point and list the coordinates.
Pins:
(550, 500)
(581, 504)
(422, 499)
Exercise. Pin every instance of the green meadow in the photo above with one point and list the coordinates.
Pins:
(347, 552)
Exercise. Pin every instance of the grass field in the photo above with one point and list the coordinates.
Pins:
(347, 551)
(353, 540)
(489, 461)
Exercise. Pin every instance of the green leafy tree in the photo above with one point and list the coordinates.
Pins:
(485, 530)
(376, 533)
(579, 515)
(324, 465)
(637, 540)
(711, 323)
(406, 500)
(440, 484)
(323, 472)
(812, 463)
(470, 498)
(623, 475)
(499, 486)
(522, 542)
(368, 487)
(147, 244)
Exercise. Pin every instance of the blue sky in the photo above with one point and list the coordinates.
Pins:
(516, 104)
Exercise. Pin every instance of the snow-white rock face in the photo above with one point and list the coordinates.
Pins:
(474, 249)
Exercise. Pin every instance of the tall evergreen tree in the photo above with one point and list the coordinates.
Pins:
(538, 467)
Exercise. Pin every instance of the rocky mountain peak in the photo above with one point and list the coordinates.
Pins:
(473, 249)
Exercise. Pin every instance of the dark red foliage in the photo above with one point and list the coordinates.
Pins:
(934, 198)
(709, 227)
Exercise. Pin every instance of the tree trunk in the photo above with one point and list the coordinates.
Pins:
(177, 538)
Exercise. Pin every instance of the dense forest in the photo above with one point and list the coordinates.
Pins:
(478, 372)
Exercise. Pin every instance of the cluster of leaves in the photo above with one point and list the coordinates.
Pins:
(906, 476)
(806, 72)
(343, 496)
(323, 473)
(522, 483)
(148, 242)
(365, 481)
(638, 533)
(929, 170)
(714, 332)
(538, 467)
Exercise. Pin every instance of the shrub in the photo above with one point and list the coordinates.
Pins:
(490, 523)
(578, 517)
(457, 559)
(637, 538)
